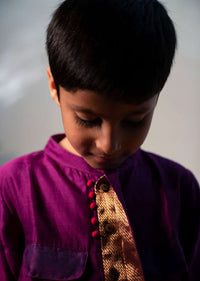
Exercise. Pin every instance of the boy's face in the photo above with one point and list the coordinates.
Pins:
(103, 132)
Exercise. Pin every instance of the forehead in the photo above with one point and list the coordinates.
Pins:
(85, 100)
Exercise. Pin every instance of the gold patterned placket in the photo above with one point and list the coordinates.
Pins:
(120, 257)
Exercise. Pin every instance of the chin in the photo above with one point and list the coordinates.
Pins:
(103, 166)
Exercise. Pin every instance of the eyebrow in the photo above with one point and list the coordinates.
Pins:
(82, 109)
(140, 111)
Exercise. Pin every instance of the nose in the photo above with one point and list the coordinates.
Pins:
(109, 140)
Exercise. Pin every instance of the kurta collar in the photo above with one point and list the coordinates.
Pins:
(66, 158)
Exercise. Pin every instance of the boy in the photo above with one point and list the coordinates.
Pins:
(94, 206)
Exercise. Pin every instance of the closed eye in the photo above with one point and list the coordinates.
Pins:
(134, 124)
(88, 123)
(97, 122)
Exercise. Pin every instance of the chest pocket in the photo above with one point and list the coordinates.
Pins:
(48, 263)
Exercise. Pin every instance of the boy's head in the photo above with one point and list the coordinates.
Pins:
(121, 49)
(109, 59)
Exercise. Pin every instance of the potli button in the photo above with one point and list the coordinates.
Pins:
(95, 234)
(90, 183)
(94, 220)
(93, 206)
(91, 194)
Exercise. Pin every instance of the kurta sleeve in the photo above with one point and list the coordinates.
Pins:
(190, 225)
(11, 240)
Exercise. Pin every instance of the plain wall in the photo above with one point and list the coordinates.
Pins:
(28, 116)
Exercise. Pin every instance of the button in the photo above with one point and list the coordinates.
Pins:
(107, 256)
(101, 211)
(109, 228)
(90, 183)
(91, 194)
(113, 274)
(94, 220)
(95, 234)
(105, 187)
(93, 206)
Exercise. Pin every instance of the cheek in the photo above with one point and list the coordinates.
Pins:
(138, 137)
(80, 140)
(144, 131)
(79, 137)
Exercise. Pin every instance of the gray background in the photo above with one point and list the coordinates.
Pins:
(28, 116)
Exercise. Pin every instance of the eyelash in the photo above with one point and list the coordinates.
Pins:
(88, 123)
(97, 122)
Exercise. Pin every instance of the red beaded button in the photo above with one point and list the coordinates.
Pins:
(94, 221)
(95, 234)
(91, 194)
(93, 206)
(90, 183)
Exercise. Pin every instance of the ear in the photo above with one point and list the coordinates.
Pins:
(52, 87)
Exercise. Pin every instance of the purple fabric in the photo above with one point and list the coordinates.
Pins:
(44, 202)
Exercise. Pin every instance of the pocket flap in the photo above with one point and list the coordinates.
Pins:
(54, 263)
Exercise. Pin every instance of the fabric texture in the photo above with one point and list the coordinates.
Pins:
(46, 199)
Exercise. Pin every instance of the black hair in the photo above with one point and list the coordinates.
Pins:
(122, 49)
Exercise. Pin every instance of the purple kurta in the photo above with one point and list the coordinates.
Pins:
(45, 216)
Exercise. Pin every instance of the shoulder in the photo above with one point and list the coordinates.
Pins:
(19, 164)
(161, 161)
(178, 182)
(168, 170)
(17, 171)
